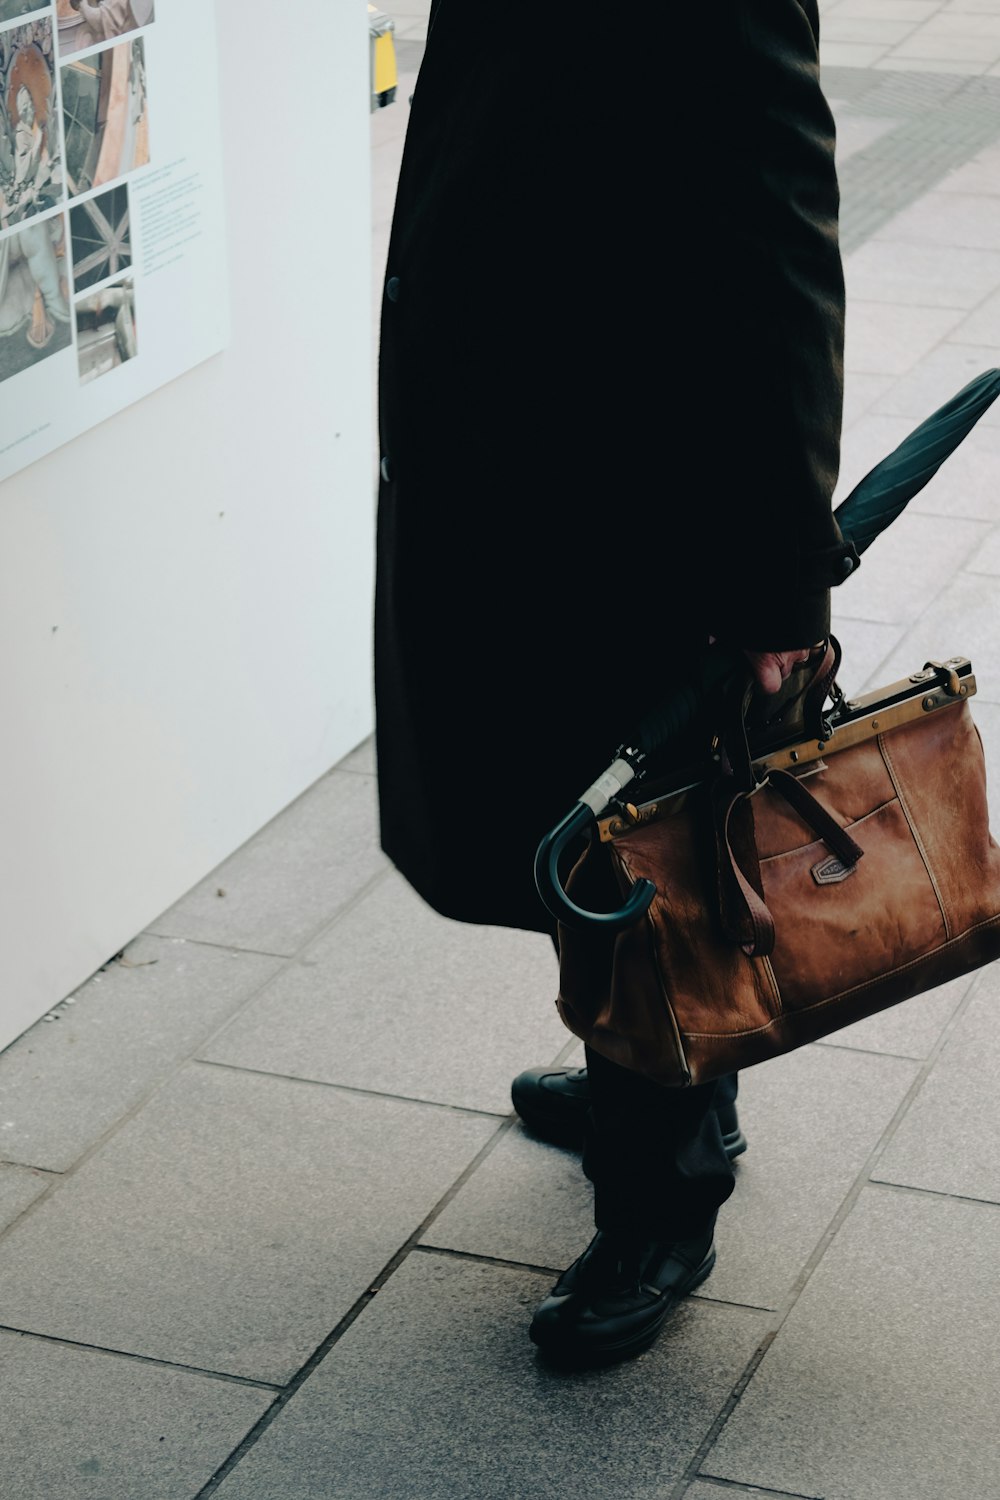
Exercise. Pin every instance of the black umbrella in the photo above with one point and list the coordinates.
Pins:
(881, 496)
(866, 512)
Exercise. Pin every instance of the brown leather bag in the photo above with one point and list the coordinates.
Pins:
(803, 887)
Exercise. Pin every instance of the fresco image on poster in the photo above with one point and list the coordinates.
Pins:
(31, 176)
(106, 329)
(100, 229)
(85, 23)
(105, 115)
(34, 295)
(10, 10)
(112, 210)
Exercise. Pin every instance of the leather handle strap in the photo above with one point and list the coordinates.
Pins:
(822, 823)
(821, 688)
(745, 917)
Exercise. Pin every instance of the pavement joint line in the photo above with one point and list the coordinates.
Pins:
(477, 1257)
(173, 937)
(352, 1088)
(862, 1180)
(250, 1438)
(867, 1051)
(910, 1188)
(930, 599)
(314, 936)
(747, 1487)
(136, 1358)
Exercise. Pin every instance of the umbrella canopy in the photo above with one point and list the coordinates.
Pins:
(886, 491)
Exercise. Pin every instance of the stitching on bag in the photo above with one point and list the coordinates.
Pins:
(775, 995)
(848, 827)
(894, 778)
(868, 984)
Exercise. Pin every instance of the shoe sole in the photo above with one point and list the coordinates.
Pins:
(571, 1355)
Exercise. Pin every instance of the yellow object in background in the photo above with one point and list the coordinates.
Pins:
(383, 58)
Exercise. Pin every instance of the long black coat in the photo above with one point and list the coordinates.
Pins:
(610, 403)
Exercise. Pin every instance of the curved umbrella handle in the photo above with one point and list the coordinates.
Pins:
(550, 889)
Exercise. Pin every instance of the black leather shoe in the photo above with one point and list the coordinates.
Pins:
(553, 1103)
(613, 1301)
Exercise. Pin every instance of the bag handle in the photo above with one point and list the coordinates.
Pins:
(745, 917)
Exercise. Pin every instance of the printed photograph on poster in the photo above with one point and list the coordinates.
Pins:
(84, 23)
(10, 10)
(100, 232)
(105, 329)
(31, 176)
(34, 295)
(105, 115)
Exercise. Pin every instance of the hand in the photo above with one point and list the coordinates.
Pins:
(772, 668)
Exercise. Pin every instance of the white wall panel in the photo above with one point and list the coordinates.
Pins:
(185, 590)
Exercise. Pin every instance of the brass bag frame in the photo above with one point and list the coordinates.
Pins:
(939, 685)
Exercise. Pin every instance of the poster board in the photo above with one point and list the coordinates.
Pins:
(186, 588)
(112, 248)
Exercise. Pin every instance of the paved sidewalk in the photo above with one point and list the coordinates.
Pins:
(268, 1230)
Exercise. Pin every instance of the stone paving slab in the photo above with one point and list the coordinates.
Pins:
(881, 1385)
(811, 1118)
(965, 221)
(79, 1425)
(435, 1392)
(861, 393)
(966, 484)
(893, 271)
(911, 1029)
(865, 647)
(981, 326)
(362, 760)
(528, 1202)
(233, 1222)
(19, 1186)
(962, 620)
(886, 339)
(980, 175)
(987, 558)
(857, 132)
(64, 1083)
(936, 379)
(904, 569)
(292, 877)
(397, 999)
(948, 1142)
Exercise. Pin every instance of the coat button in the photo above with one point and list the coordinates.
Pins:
(392, 289)
(847, 566)
(385, 468)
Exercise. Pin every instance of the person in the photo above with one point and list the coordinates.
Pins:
(610, 385)
(103, 19)
(31, 187)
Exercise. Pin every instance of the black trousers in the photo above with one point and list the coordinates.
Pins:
(655, 1155)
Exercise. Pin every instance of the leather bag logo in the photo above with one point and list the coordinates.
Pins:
(831, 871)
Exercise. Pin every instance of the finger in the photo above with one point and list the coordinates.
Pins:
(767, 670)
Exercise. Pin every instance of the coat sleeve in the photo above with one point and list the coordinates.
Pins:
(762, 182)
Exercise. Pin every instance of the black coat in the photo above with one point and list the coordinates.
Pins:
(610, 403)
